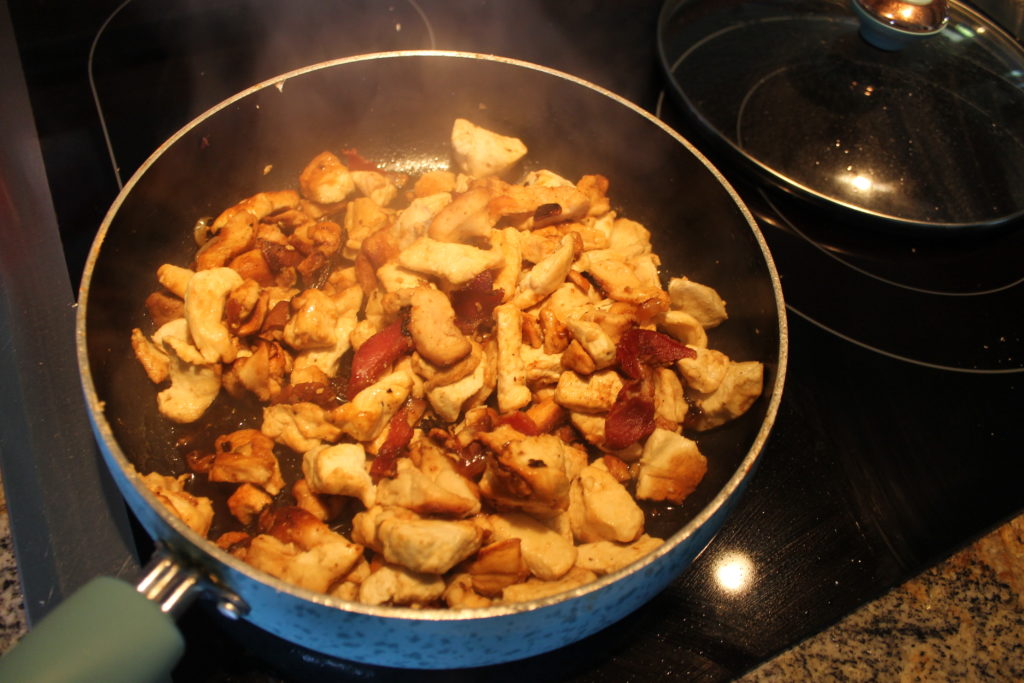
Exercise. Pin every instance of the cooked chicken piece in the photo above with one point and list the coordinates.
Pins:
(316, 237)
(375, 185)
(539, 368)
(670, 468)
(595, 393)
(322, 507)
(545, 276)
(560, 523)
(705, 372)
(366, 523)
(628, 238)
(555, 333)
(617, 276)
(546, 414)
(368, 412)
(196, 512)
(414, 221)
(513, 393)
(438, 376)
(542, 205)
(537, 245)
(339, 470)
(205, 297)
(363, 216)
(453, 263)
(601, 509)
(528, 473)
(252, 264)
(194, 384)
(256, 207)
(433, 182)
(163, 308)
(605, 557)
(233, 239)
(576, 358)
(739, 389)
(614, 317)
(348, 587)
(594, 340)
(416, 390)
(546, 178)
(152, 356)
(392, 277)
(436, 464)
(535, 589)
(596, 188)
(245, 308)
(507, 241)
(547, 554)
(246, 455)
(669, 402)
(429, 546)
(313, 322)
(416, 491)
(396, 585)
(481, 152)
(433, 329)
(684, 327)
(460, 594)
(467, 218)
(326, 180)
(448, 400)
(592, 428)
(615, 466)
(497, 566)
(263, 373)
(489, 362)
(346, 308)
(247, 502)
(300, 426)
(567, 301)
(315, 569)
(700, 301)
(234, 229)
(174, 278)
(646, 268)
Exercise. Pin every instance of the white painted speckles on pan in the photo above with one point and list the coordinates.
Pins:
(962, 620)
(12, 612)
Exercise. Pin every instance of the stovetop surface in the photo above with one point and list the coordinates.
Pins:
(897, 440)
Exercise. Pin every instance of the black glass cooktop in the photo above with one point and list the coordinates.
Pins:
(897, 440)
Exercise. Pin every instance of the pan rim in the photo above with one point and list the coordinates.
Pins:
(112, 448)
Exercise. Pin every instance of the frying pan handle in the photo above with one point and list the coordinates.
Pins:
(106, 631)
(111, 631)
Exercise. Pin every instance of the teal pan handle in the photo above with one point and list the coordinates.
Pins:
(106, 631)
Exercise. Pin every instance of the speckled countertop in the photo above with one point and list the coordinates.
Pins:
(962, 620)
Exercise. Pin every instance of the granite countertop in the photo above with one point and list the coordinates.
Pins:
(960, 620)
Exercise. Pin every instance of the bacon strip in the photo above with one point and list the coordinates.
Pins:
(475, 302)
(376, 355)
(631, 417)
(639, 347)
(521, 422)
(385, 464)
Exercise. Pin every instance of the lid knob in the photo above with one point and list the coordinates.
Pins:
(893, 24)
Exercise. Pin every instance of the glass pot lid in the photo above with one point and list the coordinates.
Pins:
(920, 124)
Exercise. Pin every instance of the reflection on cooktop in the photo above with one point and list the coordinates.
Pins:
(951, 303)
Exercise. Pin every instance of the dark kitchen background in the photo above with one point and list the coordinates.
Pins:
(898, 438)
